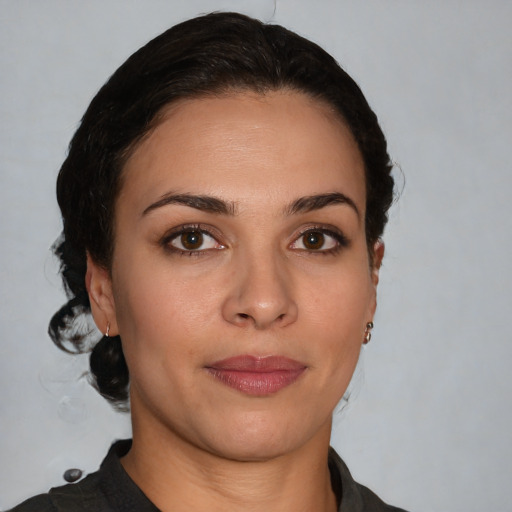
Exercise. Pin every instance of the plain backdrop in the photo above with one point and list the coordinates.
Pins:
(428, 425)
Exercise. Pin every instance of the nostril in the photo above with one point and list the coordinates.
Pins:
(243, 315)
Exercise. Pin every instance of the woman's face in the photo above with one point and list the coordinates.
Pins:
(241, 284)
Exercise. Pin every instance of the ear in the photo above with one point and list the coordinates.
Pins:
(377, 256)
(99, 287)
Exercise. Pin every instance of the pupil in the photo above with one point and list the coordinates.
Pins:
(314, 240)
(192, 240)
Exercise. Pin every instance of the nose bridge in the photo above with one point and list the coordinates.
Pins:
(262, 291)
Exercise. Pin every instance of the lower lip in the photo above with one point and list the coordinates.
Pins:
(257, 383)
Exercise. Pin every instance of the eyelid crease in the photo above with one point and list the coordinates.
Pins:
(188, 228)
(177, 231)
(165, 241)
(341, 239)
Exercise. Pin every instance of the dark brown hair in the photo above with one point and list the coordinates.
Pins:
(212, 54)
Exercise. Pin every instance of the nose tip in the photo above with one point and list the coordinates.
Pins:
(261, 302)
(264, 317)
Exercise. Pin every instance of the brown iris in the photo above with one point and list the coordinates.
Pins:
(313, 240)
(192, 240)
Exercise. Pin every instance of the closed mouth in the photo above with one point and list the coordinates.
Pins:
(258, 376)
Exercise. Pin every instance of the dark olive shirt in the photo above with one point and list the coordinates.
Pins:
(110, 489)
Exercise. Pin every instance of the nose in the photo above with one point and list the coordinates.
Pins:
(260, 295)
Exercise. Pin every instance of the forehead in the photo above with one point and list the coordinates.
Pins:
(282, 144)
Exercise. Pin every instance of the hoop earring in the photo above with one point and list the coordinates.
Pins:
(368, 332)
(108, 330)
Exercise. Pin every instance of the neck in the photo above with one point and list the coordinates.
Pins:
(178, 476)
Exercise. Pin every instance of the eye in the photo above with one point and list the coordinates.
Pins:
(192, 240)
(319, 240)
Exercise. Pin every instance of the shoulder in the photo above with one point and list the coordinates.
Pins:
(354, 497)
(372, 503)
(109, 489)
(41, 503)
(84, 496)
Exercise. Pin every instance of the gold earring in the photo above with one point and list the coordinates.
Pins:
(368, 332)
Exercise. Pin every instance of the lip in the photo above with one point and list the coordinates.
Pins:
(258, 376)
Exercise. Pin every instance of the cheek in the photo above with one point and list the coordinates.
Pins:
(158, 310)
(340, 301)
(336, 313)
(159, 320)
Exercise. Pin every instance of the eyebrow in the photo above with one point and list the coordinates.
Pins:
(218, 206)
(204, 203)
(316, 202)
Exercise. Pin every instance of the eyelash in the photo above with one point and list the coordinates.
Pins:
(339, 238)
(189, 228)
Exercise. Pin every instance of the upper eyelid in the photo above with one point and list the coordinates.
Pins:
(174, 233)
(329, 229)
(209, 230)
(184, 228)
(338, 235)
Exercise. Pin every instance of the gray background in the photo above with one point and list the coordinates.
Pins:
(429, 422)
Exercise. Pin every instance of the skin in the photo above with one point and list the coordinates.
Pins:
(254, 287)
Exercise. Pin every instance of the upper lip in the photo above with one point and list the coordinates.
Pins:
(257, 364)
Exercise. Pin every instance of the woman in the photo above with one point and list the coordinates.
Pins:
(223, 202)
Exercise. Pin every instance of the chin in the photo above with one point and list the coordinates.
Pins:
(260, 438)
(252, 450)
